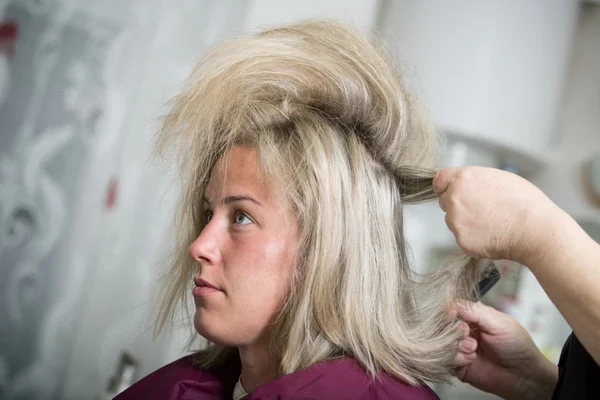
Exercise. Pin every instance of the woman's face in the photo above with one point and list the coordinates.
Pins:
(244, 254)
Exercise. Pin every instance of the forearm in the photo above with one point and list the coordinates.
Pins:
(540, 385)
(568, 268)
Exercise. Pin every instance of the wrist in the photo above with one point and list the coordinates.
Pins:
(544, 237)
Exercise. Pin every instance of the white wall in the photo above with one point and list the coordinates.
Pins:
(579, 123)
(361, 13)
(487, 69)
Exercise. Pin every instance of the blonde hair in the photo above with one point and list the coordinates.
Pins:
(346, 144)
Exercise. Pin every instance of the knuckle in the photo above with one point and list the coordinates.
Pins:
(467, 175)
(449, 220)
(450, 200)
(464, 173)
(454, 200)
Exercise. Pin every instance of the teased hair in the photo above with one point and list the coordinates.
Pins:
(348, 147)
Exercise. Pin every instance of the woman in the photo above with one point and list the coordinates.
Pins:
(298, 148)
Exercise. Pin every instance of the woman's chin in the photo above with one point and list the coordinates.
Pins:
(216, 333)
(209, 330)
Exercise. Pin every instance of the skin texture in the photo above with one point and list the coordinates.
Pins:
(498, 215)
(246, 250)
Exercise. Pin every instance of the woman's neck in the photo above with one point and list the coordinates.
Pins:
(257, 367)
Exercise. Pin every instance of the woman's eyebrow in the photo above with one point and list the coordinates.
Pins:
(232, 199)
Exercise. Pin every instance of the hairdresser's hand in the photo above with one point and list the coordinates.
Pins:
(495, 214)
(499, 357)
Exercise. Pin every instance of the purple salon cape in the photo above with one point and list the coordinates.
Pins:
(329, 380)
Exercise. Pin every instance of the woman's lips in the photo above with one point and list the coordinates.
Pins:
(204, 288)
(201, 291)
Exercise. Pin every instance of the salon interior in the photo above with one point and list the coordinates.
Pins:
(86, 216)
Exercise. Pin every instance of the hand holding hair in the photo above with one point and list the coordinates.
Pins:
(499, 215)
(497, 356)
(493, 213)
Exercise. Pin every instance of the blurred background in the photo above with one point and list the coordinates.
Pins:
(85, 215)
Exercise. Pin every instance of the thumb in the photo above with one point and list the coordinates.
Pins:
(442, 179)
(486, 318)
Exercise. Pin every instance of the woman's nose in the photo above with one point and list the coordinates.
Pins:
(205, 249)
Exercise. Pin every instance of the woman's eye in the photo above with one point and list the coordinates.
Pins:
(242, 219)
